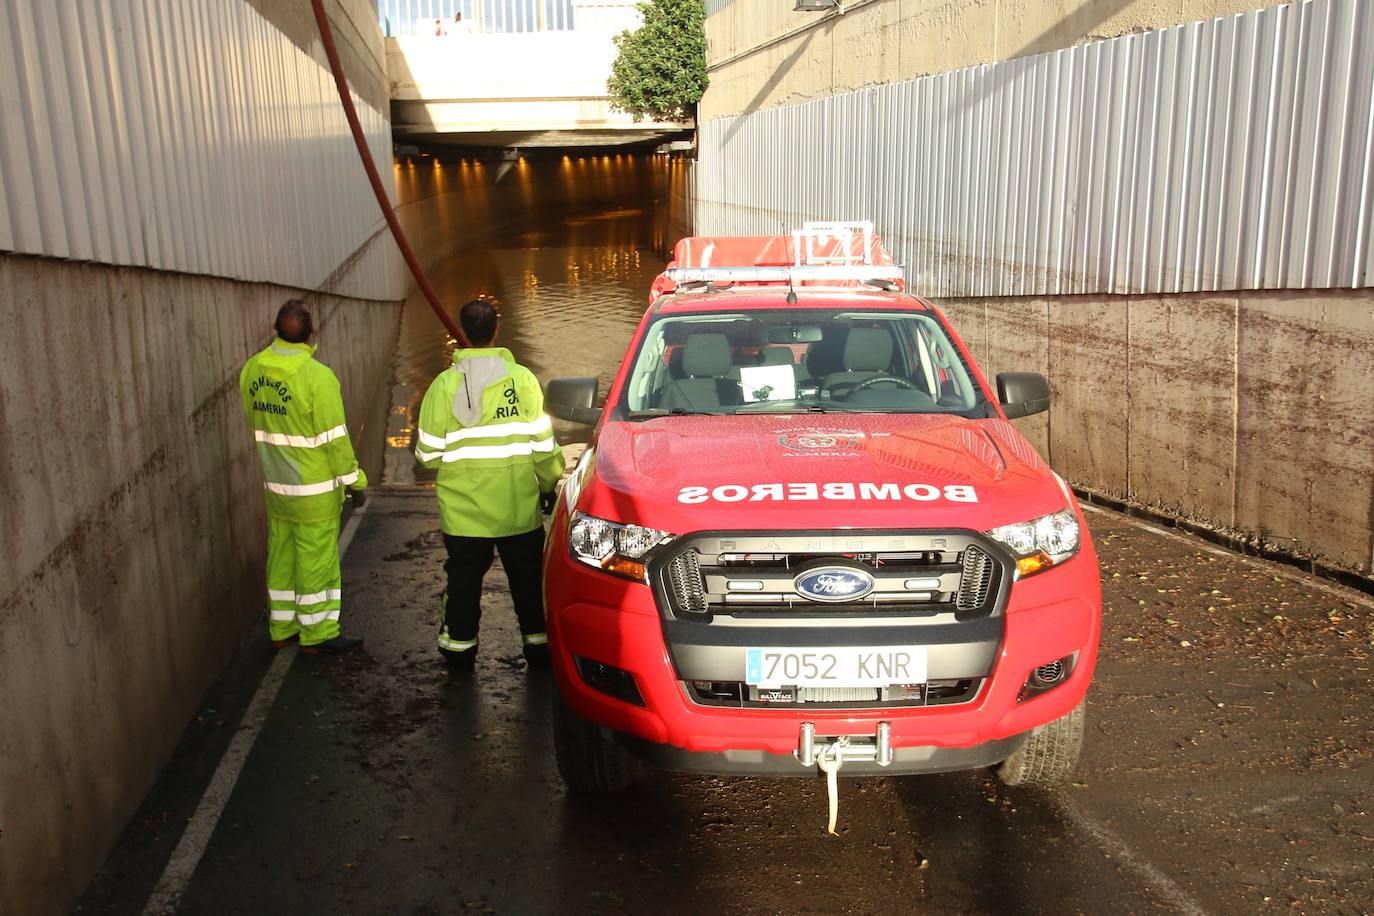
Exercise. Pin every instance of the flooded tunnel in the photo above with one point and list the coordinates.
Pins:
(381, 782)
(170, 174)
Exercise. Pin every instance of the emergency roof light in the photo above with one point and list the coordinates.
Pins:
(861, 273)
(835, 251)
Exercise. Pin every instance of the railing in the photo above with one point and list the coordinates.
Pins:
(442, 18)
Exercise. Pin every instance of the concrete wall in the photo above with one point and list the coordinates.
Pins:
(1245, 414)
(760, 53)
(132, 550)
(176, 139)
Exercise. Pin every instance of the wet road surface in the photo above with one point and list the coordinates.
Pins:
(1227, 769)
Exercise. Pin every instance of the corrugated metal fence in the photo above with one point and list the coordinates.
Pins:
(1235, 153)
(184, 135)
(435, 18)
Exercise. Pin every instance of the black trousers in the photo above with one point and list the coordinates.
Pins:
(469, 558)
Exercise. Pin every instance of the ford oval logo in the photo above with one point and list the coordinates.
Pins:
(833, 583)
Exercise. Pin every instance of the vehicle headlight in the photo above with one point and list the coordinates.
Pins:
(1041, 542)
(616, 548)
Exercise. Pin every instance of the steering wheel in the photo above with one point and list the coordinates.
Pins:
(868, 383)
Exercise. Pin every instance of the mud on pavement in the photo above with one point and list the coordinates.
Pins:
(1228, 769)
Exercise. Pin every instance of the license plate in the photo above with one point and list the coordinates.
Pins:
(848, 666)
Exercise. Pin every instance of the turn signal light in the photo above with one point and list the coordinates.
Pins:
(1033, 563)
(630, 569)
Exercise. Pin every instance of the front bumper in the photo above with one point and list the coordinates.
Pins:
(614, 621)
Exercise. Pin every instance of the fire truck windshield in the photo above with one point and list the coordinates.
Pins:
(786, 360)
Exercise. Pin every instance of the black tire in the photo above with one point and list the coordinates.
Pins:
(1049, 754)
(588, 761)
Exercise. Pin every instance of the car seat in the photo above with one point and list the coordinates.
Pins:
(867, 354)
(705, 364)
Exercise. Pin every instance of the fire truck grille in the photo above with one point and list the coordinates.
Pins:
(762, 576)
(975, 580)
(688, 590)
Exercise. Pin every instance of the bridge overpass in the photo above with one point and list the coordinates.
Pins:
(459, 83)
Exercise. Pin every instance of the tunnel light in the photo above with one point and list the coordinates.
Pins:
(815, 6)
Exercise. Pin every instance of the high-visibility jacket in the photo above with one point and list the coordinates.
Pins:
(296, 413)
(483, 426)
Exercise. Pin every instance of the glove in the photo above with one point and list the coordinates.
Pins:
(357, 498)
(547, 501)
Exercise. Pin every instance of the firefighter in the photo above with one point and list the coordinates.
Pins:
(483, 427)
(296, 416)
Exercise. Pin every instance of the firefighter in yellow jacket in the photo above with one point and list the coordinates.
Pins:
(482, 425)
(296, 415)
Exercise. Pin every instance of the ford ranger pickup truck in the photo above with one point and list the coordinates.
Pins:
(806, 535)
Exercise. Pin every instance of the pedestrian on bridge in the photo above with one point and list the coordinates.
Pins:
(483, 426)
(296, 414)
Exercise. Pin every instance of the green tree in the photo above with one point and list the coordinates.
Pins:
(660, 72)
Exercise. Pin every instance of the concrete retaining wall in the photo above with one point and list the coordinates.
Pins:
(1247, 414)
(761, 53)
(133, 539)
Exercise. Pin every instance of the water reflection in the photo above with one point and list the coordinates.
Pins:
(566, 246)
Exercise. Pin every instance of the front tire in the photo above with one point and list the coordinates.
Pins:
(588, 761)
(1049, 755)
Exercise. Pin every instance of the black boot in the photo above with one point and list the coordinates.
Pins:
(338, 644)
(460, 662)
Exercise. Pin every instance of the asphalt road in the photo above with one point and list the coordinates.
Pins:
(1229, 768)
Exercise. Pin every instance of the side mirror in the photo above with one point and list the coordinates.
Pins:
(1022, 393)
(571, 399)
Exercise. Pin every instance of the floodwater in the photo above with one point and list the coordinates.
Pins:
(569, 273)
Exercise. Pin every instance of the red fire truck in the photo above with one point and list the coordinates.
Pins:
(806, 534)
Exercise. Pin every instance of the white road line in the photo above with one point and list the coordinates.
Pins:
(1109, 842)
(176, 877)
(1307, 580)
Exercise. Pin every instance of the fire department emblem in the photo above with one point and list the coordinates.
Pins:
(822, 440)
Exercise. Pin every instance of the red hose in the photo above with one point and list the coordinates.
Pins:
(346, 99)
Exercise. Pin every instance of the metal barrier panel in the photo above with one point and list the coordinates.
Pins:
(1233, 153)
(440, 18)
(184, 135)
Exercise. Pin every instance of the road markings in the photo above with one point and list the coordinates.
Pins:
(1109, 842)
(1307, 580)
(176, 877)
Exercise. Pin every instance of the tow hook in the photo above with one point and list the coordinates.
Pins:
(830, 754)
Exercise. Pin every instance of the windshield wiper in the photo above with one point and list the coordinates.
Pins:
(670, 412)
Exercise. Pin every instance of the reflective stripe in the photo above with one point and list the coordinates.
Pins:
(510, 450)
(431, 441)
(426, 456)
(278, 595)
(310, 489)
(287, 616)
(536, 639)
(309, 620)
(454, 645)
(328, 435)
(332, 594)
(492, 431)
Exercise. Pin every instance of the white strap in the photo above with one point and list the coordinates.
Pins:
(830, 762)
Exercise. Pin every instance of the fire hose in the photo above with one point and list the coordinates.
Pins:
(378, 189)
